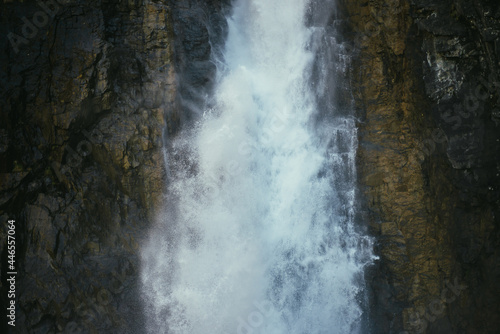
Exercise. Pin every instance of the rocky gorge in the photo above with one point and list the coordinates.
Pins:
(92, 90)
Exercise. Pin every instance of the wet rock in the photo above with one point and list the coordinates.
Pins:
(80, 145)
(437, 191)
(86, 99)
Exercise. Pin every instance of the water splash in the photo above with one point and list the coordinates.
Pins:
(258, 233)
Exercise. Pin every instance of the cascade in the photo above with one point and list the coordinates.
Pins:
(259, 231)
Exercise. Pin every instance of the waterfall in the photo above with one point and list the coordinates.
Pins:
(258, 233)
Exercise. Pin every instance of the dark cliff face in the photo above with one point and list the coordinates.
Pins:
(90, 90)
(83, 107)
(426, 85)
(87, 89)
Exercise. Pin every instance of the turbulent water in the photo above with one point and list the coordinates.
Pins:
(258, 233)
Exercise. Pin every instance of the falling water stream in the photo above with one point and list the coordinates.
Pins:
(258, 233)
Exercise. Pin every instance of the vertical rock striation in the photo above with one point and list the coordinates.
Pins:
(83, 112)
(425, 84)
(91, 92)
(93, 84)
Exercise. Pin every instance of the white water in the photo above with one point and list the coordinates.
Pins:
(258, 233)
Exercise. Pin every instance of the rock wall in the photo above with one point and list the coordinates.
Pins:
(84, 102)
(426, 88)
(91, 92)
(89, 87)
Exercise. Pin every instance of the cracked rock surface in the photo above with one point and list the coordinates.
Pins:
(86, 99)
(90, 97)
